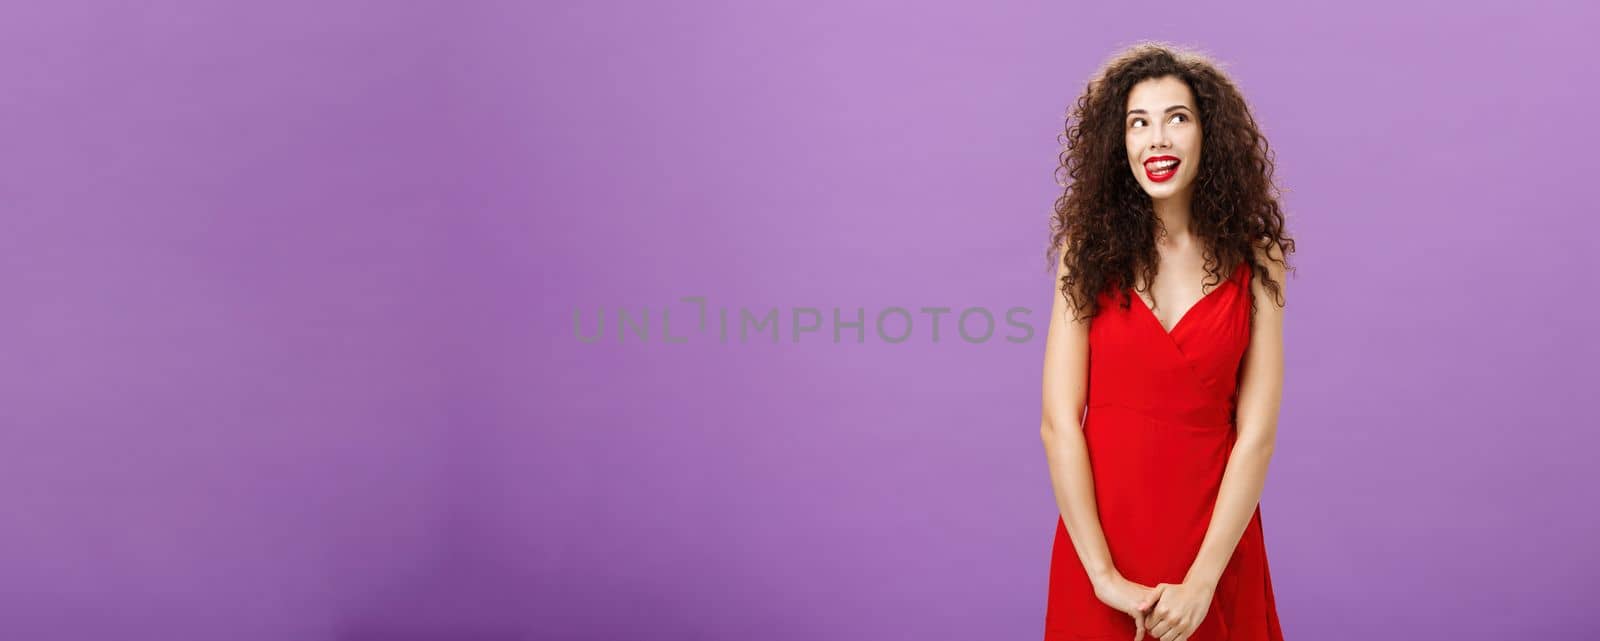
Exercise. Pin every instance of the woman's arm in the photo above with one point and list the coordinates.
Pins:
(1260, 391)
(1066, 366)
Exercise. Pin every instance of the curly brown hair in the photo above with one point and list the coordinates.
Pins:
(1105, 227)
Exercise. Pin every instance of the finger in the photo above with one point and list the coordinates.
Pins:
(1153, 597)
(1159, 615)
(1171, 635)
(1138, 628)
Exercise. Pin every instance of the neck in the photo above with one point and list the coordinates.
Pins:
(1175, 217)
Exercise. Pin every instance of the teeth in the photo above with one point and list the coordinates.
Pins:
(1165, 164)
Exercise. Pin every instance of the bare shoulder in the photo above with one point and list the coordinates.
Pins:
(1063, 269)
(1269, 254)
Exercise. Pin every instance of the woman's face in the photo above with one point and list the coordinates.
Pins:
(1159, 126)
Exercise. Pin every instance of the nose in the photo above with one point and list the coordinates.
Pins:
(1159, 139)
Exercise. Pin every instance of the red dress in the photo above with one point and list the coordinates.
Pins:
(1159, 429)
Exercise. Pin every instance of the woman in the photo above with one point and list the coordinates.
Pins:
(1171, 200)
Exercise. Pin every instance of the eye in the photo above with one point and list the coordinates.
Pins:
(1137, 122)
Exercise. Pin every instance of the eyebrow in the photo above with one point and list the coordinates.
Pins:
(1169, 109)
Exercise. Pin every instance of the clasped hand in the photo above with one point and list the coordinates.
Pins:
(1169, 611)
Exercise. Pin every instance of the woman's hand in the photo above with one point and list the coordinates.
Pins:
(1178, 609)
(1127, 597)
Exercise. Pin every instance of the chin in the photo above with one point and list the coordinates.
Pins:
(1159, 192)
(1166, 190)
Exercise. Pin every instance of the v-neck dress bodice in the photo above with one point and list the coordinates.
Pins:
(1159, 427)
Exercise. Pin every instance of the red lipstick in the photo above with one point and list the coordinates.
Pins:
(1162, 175)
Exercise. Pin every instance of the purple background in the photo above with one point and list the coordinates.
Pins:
(289, 290)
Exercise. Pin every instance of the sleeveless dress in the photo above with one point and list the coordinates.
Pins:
(1159, 428)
